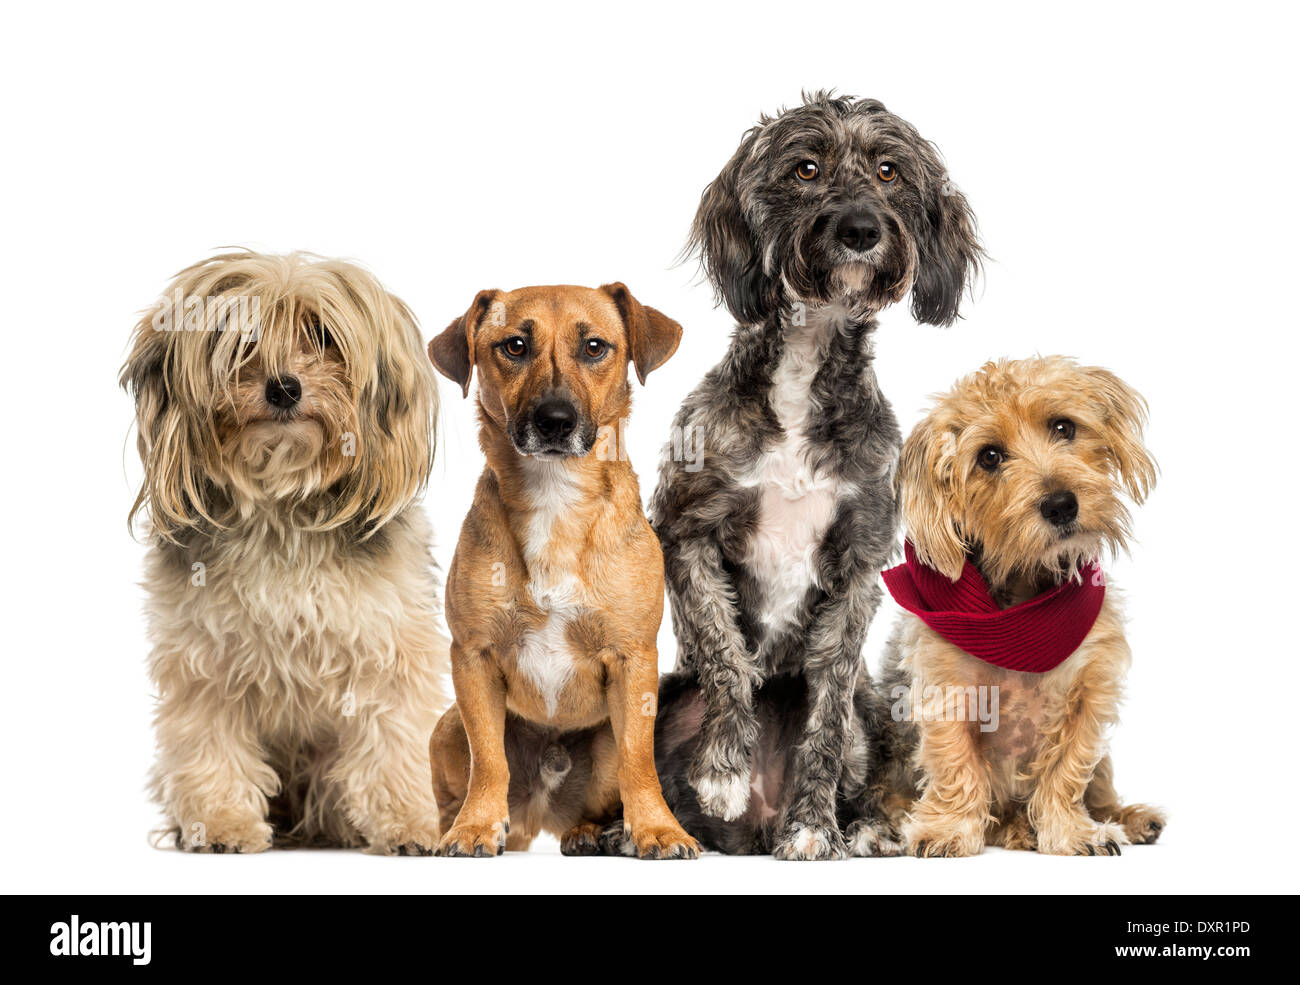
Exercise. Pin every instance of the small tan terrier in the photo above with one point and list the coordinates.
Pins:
(1012, 488)
(556, 591)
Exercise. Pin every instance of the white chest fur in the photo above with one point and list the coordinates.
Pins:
(544, 654)
(796, 501)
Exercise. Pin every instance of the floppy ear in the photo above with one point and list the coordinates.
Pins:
(173, 495)
(729, 252)
(397, 411)
(452, 352)
(652, 335)
(925, 478)
(949, 255)
(1125, 417)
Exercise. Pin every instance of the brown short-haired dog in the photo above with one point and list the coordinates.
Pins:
(1012, 487)
(555, 595)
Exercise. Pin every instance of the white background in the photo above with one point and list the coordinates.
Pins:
(1133, 171)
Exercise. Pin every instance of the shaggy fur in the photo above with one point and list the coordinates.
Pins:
(826, 214)
(974, 476)
(285, 412)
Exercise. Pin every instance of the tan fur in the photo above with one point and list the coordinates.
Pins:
(587, 577)
(292, 602)
(1043, 778)
(948, 502)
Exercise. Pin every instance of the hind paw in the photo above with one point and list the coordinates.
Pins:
(1141, 823)
(582, 839)
(869, 839)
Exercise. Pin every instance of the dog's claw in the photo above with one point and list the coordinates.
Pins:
(653, 842)
(473, 841)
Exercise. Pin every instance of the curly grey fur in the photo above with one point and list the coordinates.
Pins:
(768, 241)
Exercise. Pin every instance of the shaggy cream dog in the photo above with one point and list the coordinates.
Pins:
(285, 410)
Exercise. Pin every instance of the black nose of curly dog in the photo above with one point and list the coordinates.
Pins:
(1060, 508)
(555, 419)
(859, 230)
(283, 391)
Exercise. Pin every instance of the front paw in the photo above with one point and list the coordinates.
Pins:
(868, 839)
(224, 836)
(1081, 839)
(662, 840)
(723, 795)
(475, 840)
(810, 843)
(418, 836)
(944, 841)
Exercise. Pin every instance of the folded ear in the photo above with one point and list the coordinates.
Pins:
(925, 476)
(452, 351)
(1125, 416)
(652, 335)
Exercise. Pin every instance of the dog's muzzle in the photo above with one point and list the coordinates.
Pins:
(554, 426)
(1060, 509)
(858, 229)
(283, 392)
(555, 421)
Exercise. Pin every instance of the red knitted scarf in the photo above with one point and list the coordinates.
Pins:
(1034, 636)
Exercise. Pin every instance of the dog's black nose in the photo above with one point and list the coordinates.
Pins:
(1059, 508)
(858, 230)
(555, 419)
(283, 391)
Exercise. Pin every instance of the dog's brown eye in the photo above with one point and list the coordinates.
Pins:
(886, 171)
(515, 346)
(595, 348)
(1063, 428)
(807, 170)
(990, 457)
